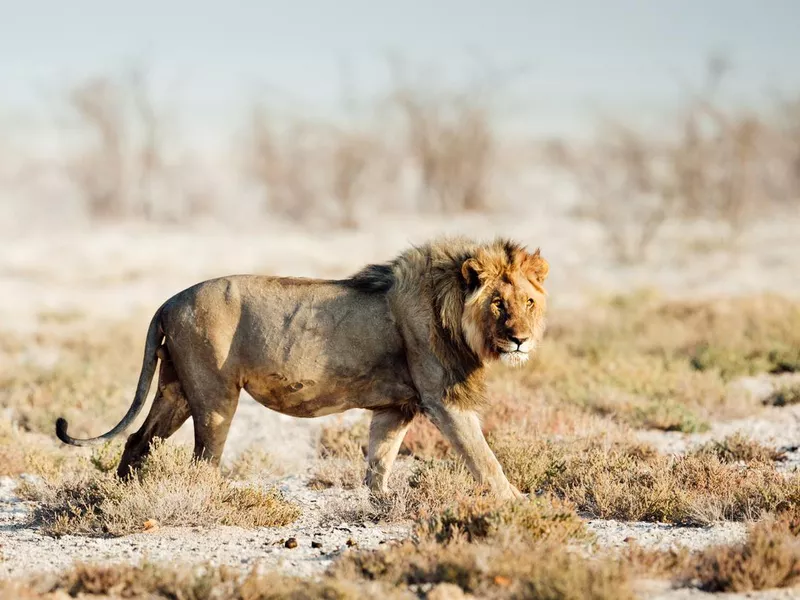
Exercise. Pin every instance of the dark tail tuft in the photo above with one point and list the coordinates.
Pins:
(61, 431)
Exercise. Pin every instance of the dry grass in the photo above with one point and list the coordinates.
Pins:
(253, 464)
(652, 363)
(198, 582)
(23, 452)
(507, 568)
(425, 489)
(172, 490)
(616, 479)
(90, 382)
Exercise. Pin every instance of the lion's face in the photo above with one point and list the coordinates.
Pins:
(504, 309)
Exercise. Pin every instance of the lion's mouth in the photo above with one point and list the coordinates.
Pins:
(513, 358)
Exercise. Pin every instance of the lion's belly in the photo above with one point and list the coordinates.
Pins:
(291, 394)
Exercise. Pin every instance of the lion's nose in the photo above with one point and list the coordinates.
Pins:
(518, 340)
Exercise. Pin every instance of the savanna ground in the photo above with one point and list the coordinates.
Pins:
(654, 433)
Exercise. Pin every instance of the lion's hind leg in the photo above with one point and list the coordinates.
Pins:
(386, 433)
(169, 411)
(213, 408)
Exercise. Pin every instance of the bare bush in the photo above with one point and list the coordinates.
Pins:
(311, 170)
(450, 137)
(118, 156)
(332, 169)
(710, 162)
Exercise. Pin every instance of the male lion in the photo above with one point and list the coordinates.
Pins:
(409, 336)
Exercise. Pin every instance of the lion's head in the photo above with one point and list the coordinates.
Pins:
(505, 303)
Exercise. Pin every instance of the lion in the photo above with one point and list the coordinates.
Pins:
(410, 336)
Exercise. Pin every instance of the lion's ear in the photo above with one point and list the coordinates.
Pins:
(471, 271)
(536, 267)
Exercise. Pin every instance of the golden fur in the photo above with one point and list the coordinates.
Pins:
(409, 336)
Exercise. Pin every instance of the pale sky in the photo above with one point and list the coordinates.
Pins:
(213, 57)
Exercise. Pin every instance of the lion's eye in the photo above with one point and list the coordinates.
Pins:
(497, 303)
(530, 302)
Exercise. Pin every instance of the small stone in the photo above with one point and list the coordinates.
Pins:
(629, 539)
(351, 542)
(316, 544)
(291, 543)
(150, 525)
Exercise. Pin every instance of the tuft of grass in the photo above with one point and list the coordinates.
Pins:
(548, 519)
(342, 473)
(23, 452)
(738, 447)
(341, 451)
(344, 441)
(613, 479)
(173, 489)
(786, 395)
(253, 463)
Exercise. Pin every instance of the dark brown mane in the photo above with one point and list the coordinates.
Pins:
(428, 279)
(372, 279)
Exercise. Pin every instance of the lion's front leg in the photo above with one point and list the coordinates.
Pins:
(462, 429)
(386, 432)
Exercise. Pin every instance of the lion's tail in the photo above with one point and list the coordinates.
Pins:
(154, 337)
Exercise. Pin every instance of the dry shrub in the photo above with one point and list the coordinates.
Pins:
(173, 489)
(737, 447)
(712, 162)
(342, 473)
(431, 487)
(615, 479)
(513, 568)
(769, 558)
(450, 138)
(307, 169)
(436, 485)
(122, 160)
